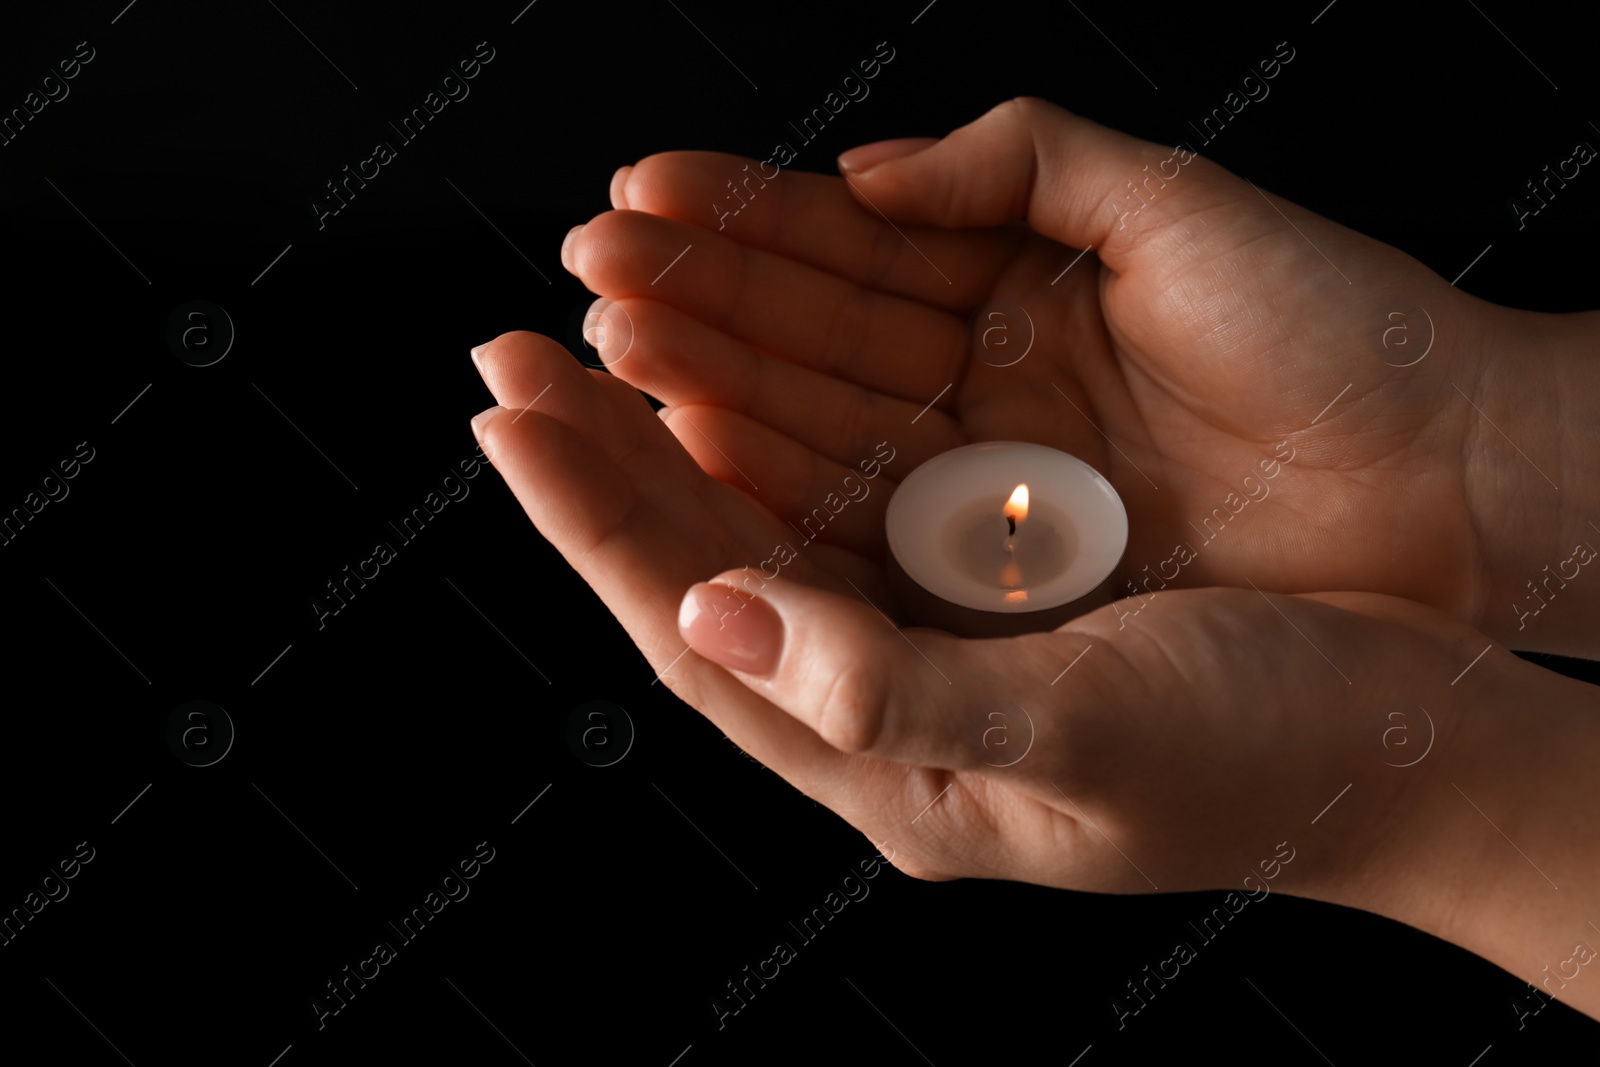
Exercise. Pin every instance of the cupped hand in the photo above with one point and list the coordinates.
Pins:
(1279, 400)
(1171, 752)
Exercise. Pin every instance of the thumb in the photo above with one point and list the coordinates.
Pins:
(1073, 180)
(839, 666)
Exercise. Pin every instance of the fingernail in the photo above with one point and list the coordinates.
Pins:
(477, 356)
(860, 160)
(619, 187)
(594, 326)
(740, 633)
(481, 420)
(566, 247)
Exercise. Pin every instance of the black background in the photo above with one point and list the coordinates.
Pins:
(426, 716)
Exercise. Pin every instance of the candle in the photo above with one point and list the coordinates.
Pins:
(1003, 538)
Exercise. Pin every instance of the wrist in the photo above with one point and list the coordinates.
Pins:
(1531, 452)
(1500, 855)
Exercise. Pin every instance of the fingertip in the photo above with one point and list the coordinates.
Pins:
(480, 429)
(857, 161)
(568, 249)
(738, 632)
(512, 341)
(619, 186)
(518, 366)
(497, 349)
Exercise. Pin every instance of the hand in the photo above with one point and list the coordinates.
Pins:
(1172, 754)
(1183, 750)
(1169, 733)
(1204, 328)
(1186, 735)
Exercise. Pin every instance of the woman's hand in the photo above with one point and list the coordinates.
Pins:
(1211, 331)
(1179, 741)
(1230, 362)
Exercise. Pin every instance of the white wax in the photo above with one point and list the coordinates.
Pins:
(947, 529)
(975, 541)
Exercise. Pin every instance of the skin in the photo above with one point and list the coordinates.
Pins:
(1202, 726)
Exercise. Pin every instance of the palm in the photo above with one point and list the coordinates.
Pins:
(603, 479)
(810, 329)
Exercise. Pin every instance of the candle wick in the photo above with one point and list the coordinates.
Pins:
(1012, 523)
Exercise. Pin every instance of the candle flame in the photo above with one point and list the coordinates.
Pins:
(1017, 506)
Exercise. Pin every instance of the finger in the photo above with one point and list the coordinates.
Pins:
(1072, 179)
(606, 483)
(626, 552)
(678, 359)
(631, 450)
(813, 219)
(619, 187)
(531, 374)
(836, 664)
(798, 313)
(528, 372)
(636, 555)
(819, 499)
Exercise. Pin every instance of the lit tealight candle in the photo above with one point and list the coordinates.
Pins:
(1004, 538)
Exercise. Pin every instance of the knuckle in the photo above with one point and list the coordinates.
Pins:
(883, 252)
(854, 710)
(846, 332)
(1029, 111)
